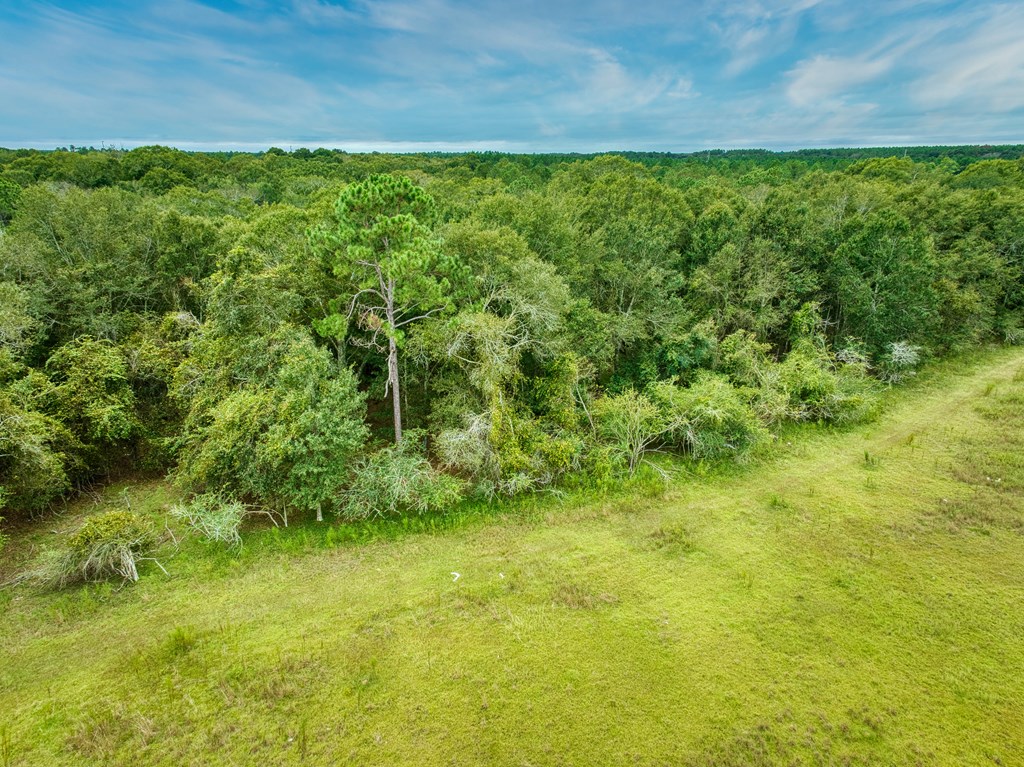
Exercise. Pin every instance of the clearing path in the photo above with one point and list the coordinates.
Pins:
(859, 600)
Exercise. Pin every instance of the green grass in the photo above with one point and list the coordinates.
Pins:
(858, 599)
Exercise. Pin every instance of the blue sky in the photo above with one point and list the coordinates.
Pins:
(534, 75)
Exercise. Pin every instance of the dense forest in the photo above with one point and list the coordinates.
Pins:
(320, 334)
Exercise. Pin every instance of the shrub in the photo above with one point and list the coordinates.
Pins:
(33, 468)
(899, 362)
(630, 425)
(820, 389)
(284, 438)
(709, 419)
(213, 517)
(507, 451)
(811, 383)
(397, 480)
(92, 393)
(106, 545)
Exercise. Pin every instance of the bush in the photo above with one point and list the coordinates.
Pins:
(92, 394)
(33, 468)
(710, 418)
(899, 362)
(213, 517)
(284, 436)
(469, 451)
(630, 425)
(507, 451)
(106, 545)
(820, 389)
(397, 480)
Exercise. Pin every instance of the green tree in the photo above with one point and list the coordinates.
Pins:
(9, 195)
(17, 325)
(91, 254)
(93, 397)
(883, 277)
(284, 437)
(32, 467)
(391, 265)
(631, 424)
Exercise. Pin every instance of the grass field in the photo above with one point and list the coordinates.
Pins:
(858, 599)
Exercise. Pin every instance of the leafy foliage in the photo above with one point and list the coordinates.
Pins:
(10, 193)
(284, 437)
(632, 424)
(91, 393)
(397, 480)
(213, 517)
(710, 418)
(33, 466)
(390, 264)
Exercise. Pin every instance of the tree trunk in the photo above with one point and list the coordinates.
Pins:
(319, 513)
(396, 398)
(395, 394)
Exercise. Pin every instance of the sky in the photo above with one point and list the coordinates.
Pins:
(522, 76)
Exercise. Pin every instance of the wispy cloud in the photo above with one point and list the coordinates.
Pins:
(828, 78)
(983, 71)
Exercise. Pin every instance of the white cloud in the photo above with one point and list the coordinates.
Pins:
(985, 70)
(77, 69)
(323, 13)
(827, 78)
(756, 30)
(605, 85)
(682, 89)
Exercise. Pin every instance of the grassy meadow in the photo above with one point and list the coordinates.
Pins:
(858, 598)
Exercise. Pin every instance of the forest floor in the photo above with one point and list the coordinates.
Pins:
(856, 599)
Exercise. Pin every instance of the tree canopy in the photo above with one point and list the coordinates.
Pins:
(262, 326)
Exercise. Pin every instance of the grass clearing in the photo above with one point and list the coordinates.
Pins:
(857, 600)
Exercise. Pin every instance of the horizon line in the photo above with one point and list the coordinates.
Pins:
(469, 147)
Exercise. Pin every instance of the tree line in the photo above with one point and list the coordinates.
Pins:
(321, 333)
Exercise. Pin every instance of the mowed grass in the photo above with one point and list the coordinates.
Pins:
(858, 599)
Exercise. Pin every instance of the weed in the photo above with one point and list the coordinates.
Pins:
(213, 517)
(784, 740)
(870, 461)
(180, 641)
(99, 734)
(577, 597)
(106, 545)
(674, 537)
(291, 675)
(6, 748)
(301, 742)
(747, 579)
